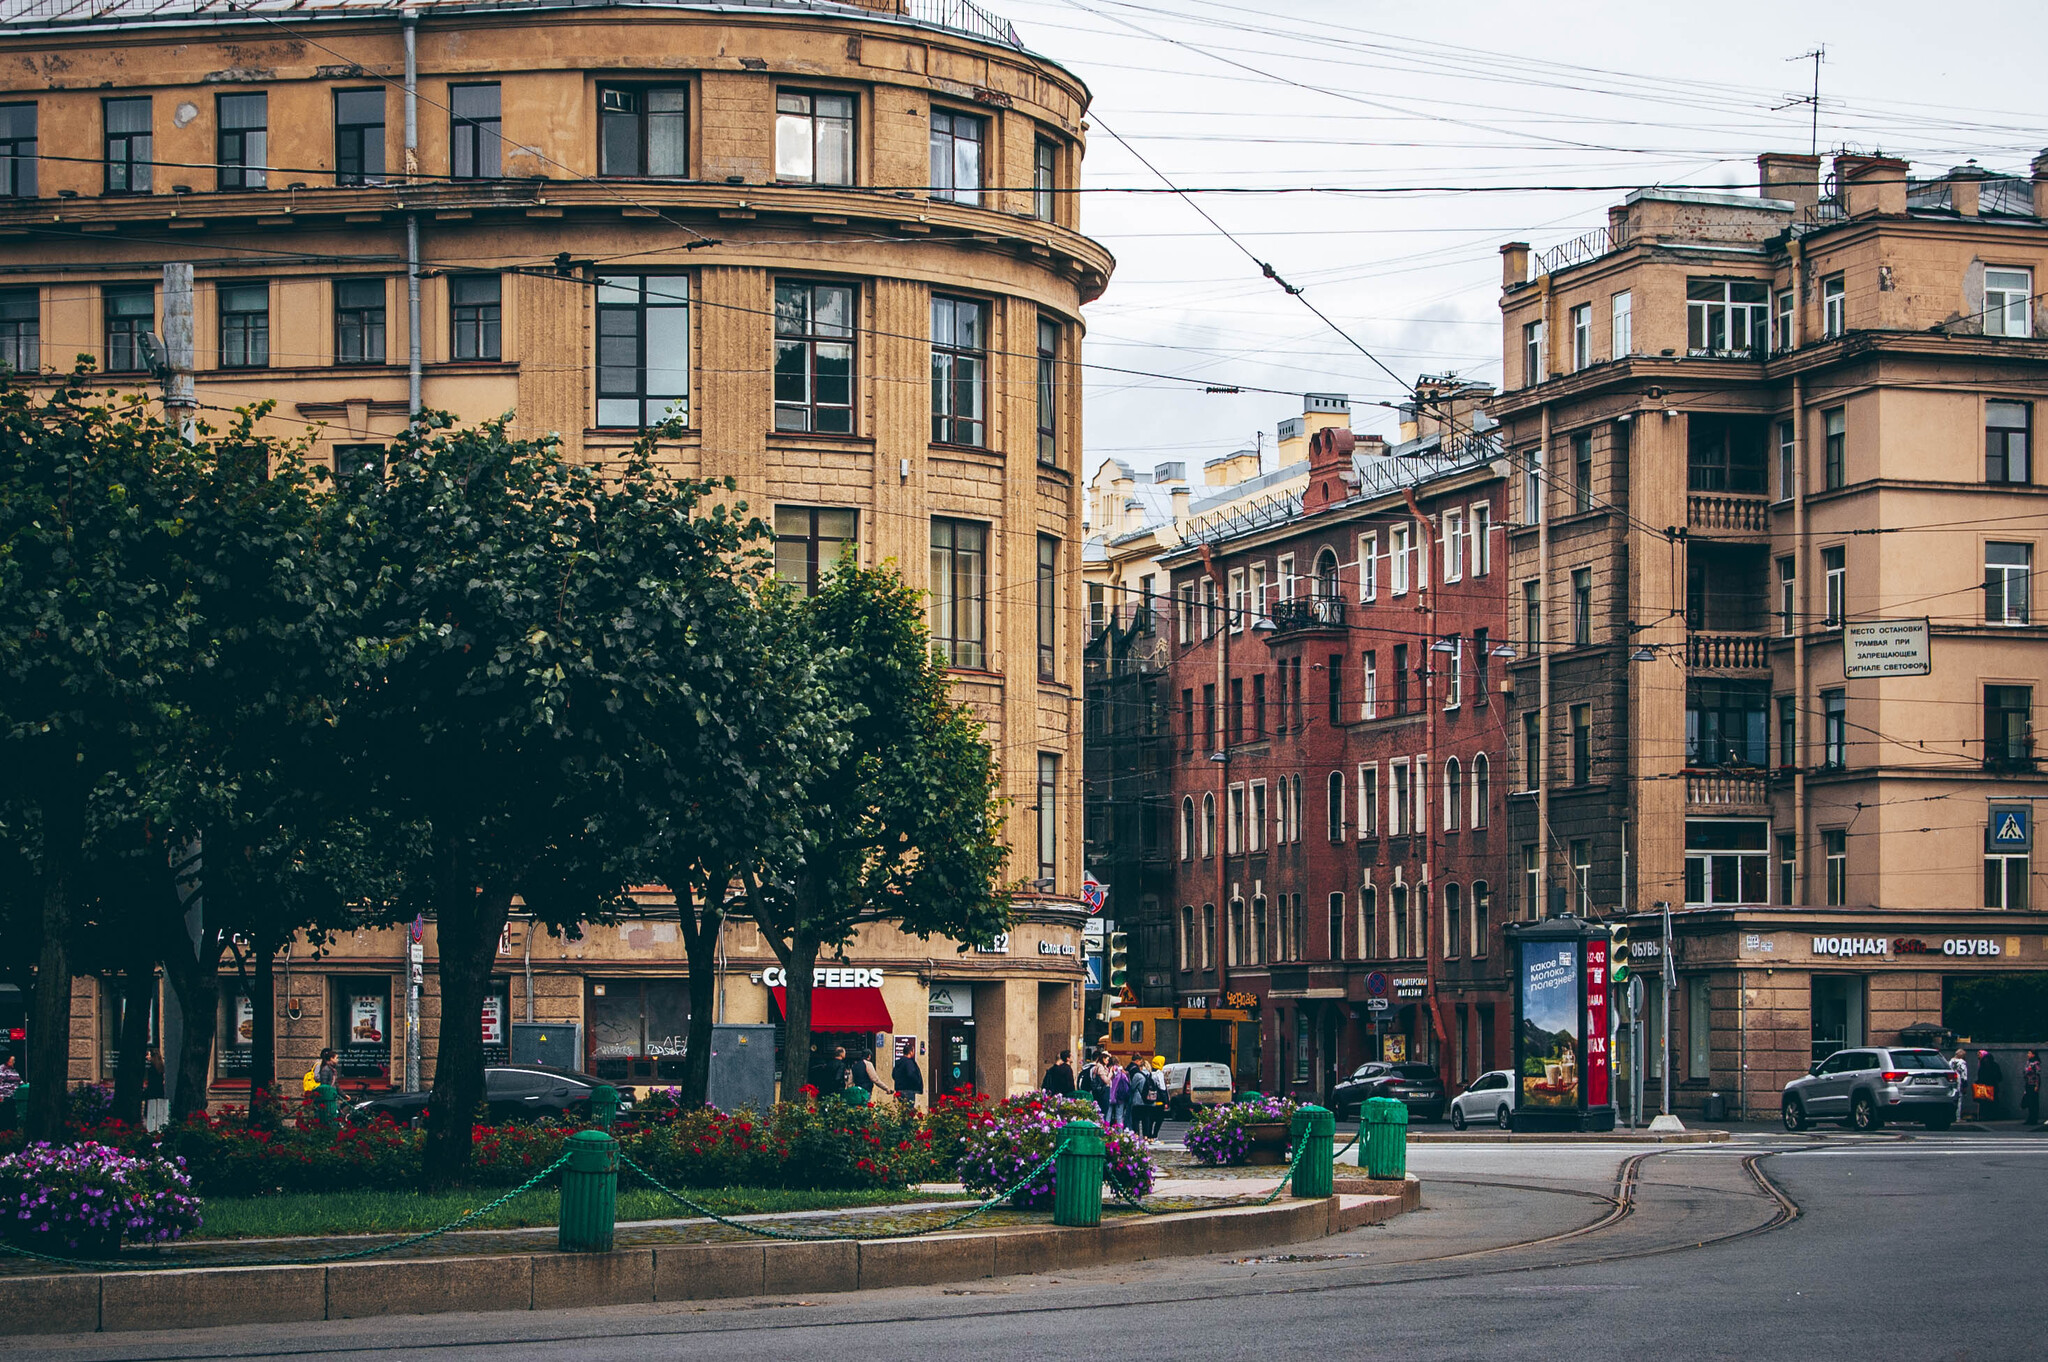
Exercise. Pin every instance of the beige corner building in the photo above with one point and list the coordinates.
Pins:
(839, 239)
(1779, 520)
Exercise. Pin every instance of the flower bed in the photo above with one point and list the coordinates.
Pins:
(1225, 1135)
(1011, 1139)
(86, 1198)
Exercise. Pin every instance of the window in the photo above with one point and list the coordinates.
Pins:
(1454, 671)
(358, 137)
(1532, 882)
(2007, 426)
(1369, 686)
(1368, 800)
(1783, 341)
(1532, 354)
(1454, 546)
(959, 586)
(1833, 307)
(242, 140)
(244, 325)
(810, 541)
(1368, 922)
(1045, 160)
(1726, 316)
(1582, 744)
(1334, 811)
(1582, 472)
(1624, 326)
(1294, 818)
(1209, 611)
(1048, 391)
(1699, 1014)
(1532, 487)
(475, 146)
(1398, 814)
(1788, 868)
(1532, 613)
(1048, 607)
(1582, 336)
(1187, 827)
(2005, 881)
(1582, 606)
(1834, 729)
(956, 156)
(1400, 678)
(643, 130)
(129, 145)
(959, 371)
(2009, 728)
(1454, 921)
(1400, 920)
(1724, 723)
(1834, 845)
(1301, 1045)
(1482, 917)
(1336, 926)
(813, 137)
(1397, 552)
(1237, 952)
(1369, 566)
(21, 331)
(814, 357)
(17, 151)
(1726, 861)
(1532, 749)
(1788, 597)
(1835, 574)
(1788, 733)
(1834, 448)
(2007, 302)
(1209, 718)
(1208, 933)
(1726, 454)
(1787, 460)
(475, 324)
(1454, 793)
(1582, 876)
(1233, 821)
(1482, 663)
(1258, 707)
(1258, 942)
(1482, 790)
(1480, 526)
(1255, 823)
(1208, 826)
(351, 461)
(2006, 570)
(643, 350)
(130, 315)
(359, 321)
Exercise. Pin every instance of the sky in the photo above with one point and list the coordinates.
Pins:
(1489, 122)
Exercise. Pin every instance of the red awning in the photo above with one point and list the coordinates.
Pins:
(844, 1009)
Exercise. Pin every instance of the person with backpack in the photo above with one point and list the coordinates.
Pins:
(1095, 1085)
(1145, 1095)
(1120, 1094)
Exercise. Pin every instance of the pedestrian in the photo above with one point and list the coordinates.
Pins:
(156, 1111)
(1960, 1062)
(1146, 1093)
(10, 1084)
(1059, 1076)
(328, 1070)
(1095, 1084)
(828, 1075)
(1989, 1076)
(1121, 1091)
(861, 1079)
(2030, 1088)
(907, 1077)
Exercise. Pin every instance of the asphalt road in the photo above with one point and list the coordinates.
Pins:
(1907, 1246)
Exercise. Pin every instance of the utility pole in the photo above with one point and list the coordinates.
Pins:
(1664, 997)
(174, 364)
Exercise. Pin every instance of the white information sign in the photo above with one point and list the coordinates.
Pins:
(1886, 648)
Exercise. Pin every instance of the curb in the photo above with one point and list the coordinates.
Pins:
(1567, 1137)
(184, 1298)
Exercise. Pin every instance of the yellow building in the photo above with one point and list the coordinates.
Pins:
(838, 238)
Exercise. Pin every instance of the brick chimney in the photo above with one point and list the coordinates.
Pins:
(1792, 179)
(1329, 467)
(1871, 184)
(1514, 264)
(1965, 189)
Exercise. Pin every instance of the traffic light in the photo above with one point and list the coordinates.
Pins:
(1117, 966)
(1617, 953)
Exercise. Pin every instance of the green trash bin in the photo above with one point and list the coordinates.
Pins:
(1077, 1175)
(590, 1193)
(1315, 1138)
(1385, 1122)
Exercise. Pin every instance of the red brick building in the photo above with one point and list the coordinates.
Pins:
(1340, 753)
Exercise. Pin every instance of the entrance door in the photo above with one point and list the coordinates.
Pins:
(953, 1055)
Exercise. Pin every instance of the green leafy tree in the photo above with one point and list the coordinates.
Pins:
(903, 825)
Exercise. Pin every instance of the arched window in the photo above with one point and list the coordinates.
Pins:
(1454, 793)
(1482, 790)
(1258, 929)
(1400, 906)
(1189, 952)
(1326, 575)
(1187, 833)
(1368, 923)
(1209, 831)
(1237, 942)
(1482, 914)
(1454, 920)
(1336, 806)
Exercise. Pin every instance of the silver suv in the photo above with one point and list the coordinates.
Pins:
(1866, 1088)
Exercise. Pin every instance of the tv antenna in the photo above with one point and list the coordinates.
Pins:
(1817, 56)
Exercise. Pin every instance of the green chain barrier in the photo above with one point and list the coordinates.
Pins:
(1125, 1195)
(131, 1266)
(1356, 1132)
(769, 1233)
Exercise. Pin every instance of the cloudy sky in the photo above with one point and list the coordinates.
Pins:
(1472, 120)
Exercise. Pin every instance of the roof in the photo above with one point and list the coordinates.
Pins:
(1250, 486)
(964, 17)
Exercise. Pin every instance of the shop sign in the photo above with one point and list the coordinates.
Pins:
(1410, 986)
(1971, 945)
(1248, 1001)
(1850, 945)
(999, 944)
(776, 977)
(950, 1000)
(1396, 1048)
(1886, 648)
(1200, 1000)
(1645, 950)
(1055, 948)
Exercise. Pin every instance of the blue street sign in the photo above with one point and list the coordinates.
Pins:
(1375, 985)
(2011, 826)
(1094, 964)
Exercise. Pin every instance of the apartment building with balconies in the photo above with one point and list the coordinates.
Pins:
(1776, 521)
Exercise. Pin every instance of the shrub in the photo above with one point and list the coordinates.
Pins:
(812, 1143)
(1220, 1136)
(91, 1105)
(86, 1198)
(1012, 1139)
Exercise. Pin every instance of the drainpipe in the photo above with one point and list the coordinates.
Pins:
(1215, 574)
(1802, 562)
(1430, 709)
(412, 220)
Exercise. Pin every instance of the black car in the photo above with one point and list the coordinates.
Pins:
(511, 1092)
(1419, 1086)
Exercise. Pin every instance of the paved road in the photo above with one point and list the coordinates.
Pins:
(1911, 1246)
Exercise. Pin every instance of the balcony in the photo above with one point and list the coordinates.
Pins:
(1746, 791)
(1727, 513)
(1305, 613)
(1734, 652)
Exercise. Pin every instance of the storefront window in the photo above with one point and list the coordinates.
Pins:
(636, 1028)
(1837, 1013)
(1698, 1028)
(361, 1029)
(1726, 861)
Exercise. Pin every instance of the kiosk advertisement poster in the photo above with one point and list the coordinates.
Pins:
(1599, 1062)
(1547, 1045)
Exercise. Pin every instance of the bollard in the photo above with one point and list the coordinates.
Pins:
(1315, 1141)
(1077, 1175)
(590, 1193)
(1386, 1138)
(604, 1106)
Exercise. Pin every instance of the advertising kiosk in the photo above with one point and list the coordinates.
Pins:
(1563, 1051)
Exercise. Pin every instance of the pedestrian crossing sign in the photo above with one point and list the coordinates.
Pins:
(2011, 827)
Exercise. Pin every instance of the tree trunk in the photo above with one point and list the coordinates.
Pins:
(468, 925)
(138, 989)
(263, 1044)
(196, 981)
(49, 1038)
(796, 1013)
(701, 929)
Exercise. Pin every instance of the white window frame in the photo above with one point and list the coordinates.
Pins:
(1369, 566)
(1368, 799)
(1835, 598)
(1369, 694)
(1286, 579)
(1208, 607)
(1258, 589)
(2009, 574)
(1421, 824)
(1834, 306)
(1781, 319)
(1422, 553)
(1208, 831)
(1479, 529)
(1233, 825)
(2014, 310)
(1623, 338)
(1187, 827)
(1397, 553)
(1454, 792)
(1237, 600)
(1186, 610)
(1454, 546)
(1532, 354)
(1333, 785)
(1582, 337)
(1255, 821)
(1788, 596)
(1400, 789)
(1480, 780)
(1454, 693)
(1787, 460)
(1294, 817)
